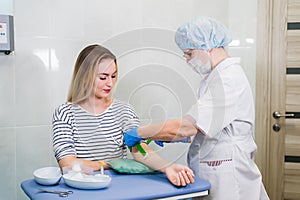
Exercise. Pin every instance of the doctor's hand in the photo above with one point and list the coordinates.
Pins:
(179, 175)
(161, 143)
(131, 137)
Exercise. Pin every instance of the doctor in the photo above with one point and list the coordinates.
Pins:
(222, 121)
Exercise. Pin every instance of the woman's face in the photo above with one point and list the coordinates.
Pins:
(105, 78)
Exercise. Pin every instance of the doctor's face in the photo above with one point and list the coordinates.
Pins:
(201, 54)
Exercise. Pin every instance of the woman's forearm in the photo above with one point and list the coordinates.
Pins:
(69, 160)
(152, 159)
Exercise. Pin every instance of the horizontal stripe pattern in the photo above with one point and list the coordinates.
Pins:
(215, 163)
(92, 137)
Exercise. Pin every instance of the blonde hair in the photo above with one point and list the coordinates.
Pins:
(85, 71)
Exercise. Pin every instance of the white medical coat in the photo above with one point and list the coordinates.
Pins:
(223, 152)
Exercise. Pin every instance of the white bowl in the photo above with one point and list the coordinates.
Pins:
(82, 181)
(47, 175)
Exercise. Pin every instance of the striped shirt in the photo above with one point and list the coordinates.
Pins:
(92, 137)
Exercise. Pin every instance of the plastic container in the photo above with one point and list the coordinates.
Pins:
(47, 175)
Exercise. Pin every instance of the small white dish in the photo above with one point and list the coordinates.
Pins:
(47, 175)
(82, 181)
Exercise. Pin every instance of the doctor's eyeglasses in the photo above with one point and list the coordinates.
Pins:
(187, 54)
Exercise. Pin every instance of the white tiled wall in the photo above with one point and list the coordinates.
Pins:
(153, 75)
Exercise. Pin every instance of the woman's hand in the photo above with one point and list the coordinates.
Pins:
(179, 175)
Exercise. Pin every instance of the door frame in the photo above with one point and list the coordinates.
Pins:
(270, 92)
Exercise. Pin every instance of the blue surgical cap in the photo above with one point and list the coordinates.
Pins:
(202, 33)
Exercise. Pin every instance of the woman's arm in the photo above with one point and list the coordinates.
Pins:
(67, 161)
(63, 141)
(177, 174)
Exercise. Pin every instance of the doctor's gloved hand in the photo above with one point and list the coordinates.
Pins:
(131, 137)
(161, 143)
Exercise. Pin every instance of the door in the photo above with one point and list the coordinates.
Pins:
(278, 90)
